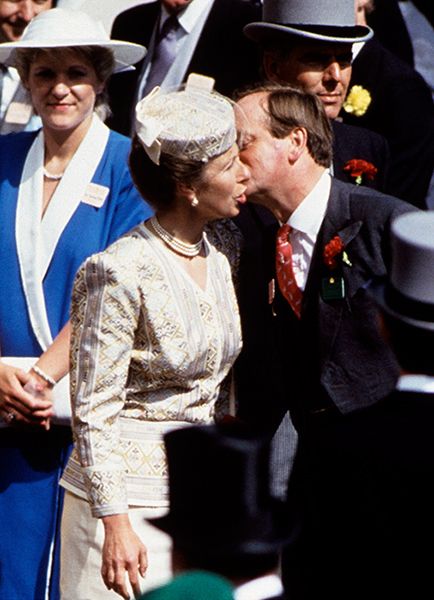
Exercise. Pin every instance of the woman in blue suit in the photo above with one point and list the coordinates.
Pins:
(65, 193)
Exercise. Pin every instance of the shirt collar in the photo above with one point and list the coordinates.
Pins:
(357, 47)
(309, 215)
(262, 587)
(188, 17)
(416, 383)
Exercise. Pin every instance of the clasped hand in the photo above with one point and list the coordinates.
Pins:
(24, 399)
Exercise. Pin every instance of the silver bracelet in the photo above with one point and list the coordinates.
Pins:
(44, 376)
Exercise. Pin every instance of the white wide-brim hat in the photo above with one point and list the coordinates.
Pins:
(324, 20)
(66, 28)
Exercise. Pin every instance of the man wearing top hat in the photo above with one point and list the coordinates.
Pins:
(398, 454)
(309, 44)
(222, 518)
(312, 342)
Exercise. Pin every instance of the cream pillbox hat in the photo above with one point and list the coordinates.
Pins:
(65, 28)
(193, 122)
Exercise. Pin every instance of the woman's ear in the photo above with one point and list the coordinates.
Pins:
(188, 193)
(101, 86)
(185, 191)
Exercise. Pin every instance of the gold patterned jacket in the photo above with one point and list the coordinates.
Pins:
(151, 351)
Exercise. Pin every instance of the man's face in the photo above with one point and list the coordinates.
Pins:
(264, 155)
(175, 6)
(15, 15)
(323, 69)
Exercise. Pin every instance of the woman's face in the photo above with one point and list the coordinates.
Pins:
(63, 88)
(223, 185)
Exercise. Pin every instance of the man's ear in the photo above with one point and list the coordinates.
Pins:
(297, 143)
(271, 66)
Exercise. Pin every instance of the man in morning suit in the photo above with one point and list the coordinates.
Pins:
(401, 474)
(322, 348)
(209, 41)
(309, 44)
(222, 518)
(402, 110)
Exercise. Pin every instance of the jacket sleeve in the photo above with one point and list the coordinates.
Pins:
(104, 315)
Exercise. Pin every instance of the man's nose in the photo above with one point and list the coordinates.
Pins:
(333, 70)
(27, 10)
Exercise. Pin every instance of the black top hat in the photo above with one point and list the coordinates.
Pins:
(220, 503)
(323, 20)
(408, 292)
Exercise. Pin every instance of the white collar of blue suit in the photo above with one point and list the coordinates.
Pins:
(416, 383)
(262, 587)
(37, 239)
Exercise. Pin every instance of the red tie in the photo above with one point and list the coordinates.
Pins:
(285, 275)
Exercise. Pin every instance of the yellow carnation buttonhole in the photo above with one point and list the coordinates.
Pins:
(358, 101)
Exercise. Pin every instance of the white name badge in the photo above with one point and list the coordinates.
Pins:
(19, 113)
(95, 195)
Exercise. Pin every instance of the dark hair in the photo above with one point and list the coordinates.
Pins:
(158, 183)
(410, 343)
(289, 107)
(100, 58)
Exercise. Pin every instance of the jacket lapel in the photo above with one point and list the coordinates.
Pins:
(36, 240)
(337, 222)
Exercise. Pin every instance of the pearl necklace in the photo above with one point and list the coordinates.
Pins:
(51, 176)
(179, 247)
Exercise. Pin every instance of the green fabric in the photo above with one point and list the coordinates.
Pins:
(194, 585)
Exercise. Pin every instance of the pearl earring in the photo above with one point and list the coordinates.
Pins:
(195, 202)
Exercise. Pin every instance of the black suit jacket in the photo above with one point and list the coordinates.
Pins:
(357, 142)
(401, 110)
(334, 353)
(222, 51)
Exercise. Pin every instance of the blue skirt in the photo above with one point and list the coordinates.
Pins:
(31, 464)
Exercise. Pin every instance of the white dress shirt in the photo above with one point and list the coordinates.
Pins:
(20, 116)
(416, 383)
(306, 222)
(257, 589)
(191, 20)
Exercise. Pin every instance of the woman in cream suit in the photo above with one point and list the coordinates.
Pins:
(155, 333)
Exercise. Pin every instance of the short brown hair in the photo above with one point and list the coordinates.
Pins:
(100, 58)
(289, 107)
(158, 183)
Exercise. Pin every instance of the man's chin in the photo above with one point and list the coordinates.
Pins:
(332, 110)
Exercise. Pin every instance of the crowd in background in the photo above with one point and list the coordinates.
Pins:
(217, 301)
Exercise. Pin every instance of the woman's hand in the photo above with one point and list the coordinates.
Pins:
(18, 405)
(122, 551)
